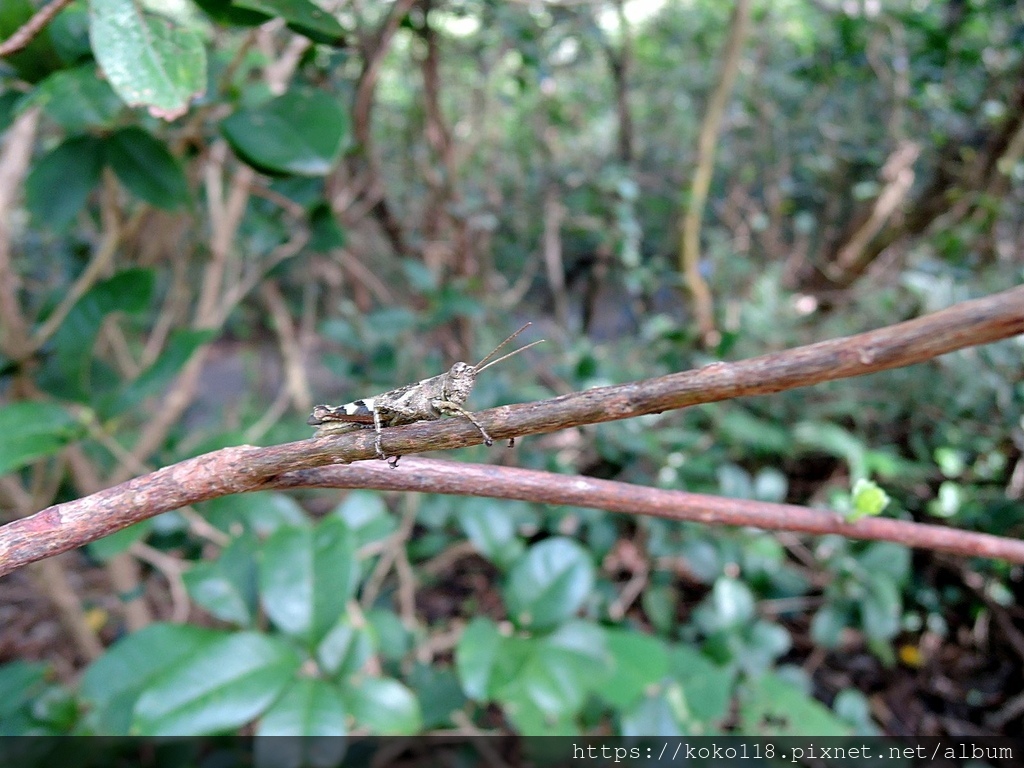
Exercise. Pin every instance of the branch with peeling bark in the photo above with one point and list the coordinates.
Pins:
(307, 463)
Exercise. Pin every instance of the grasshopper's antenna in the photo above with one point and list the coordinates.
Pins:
(513, 352)
(480, 366)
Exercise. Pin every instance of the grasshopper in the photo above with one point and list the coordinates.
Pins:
(425, 400)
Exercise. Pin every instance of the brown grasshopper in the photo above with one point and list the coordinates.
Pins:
(425, 400)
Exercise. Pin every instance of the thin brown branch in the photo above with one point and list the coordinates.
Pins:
(457, 478)
(689, 230)
(14, 161)
(246, 468)
(23, 35)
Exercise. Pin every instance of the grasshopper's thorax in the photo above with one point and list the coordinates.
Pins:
(459, 383)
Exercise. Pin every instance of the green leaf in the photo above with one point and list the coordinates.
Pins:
(308, 707)
(730, 604)
(226, 587)
(300, 132)
(658, 713)
(60, 181)
(77, 99)
(772, 706)
(868, 499)
(491, 529)
(393, 639)
(475, 656)
(224, 12)
(261, 513)
(147, 169)
(20, 683)
(659, 602)
(112, 684)
(181, 345)
(345, 648)
(440, 695)
(219, 685)
(307, 576)
(881, 607)
(639, 661)
(32, 431)
(554, 673)
(67, 371)
(706, 687)
(117, 542)
(549, 583)
(149, 59)
(385, 707)
(828, 624)
(366, 515)
(302, 16)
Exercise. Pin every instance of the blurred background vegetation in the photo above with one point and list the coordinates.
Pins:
(314, 204)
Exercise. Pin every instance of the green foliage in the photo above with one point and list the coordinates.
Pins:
(298, 133)
(436, 235)
(34, 431)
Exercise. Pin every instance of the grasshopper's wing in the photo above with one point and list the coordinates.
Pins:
(356, 412)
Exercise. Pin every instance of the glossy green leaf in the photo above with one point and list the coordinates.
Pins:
(553, 673)
(549, 583)
(300, 132)
(147, 168)
(77, 99)
(60, 182)
(475, 656)
(261, 513)
(345, 648)
(149, 59)
(226, 587)
(828, 624)
(307, 576)
(220, 685)
(393, 639)
(706, 687)
(181, 346)
(366, 515)
(384, 707)
(729, 605)
(772, 706)
(309, 707)
(881, 607)
(440, 695)
(302, 16)
(659, 713)
(659, 602)
(112, 684)
(119, 541)
(20, 683)
(639, 661)
(225, 12)
(491, 529)
(32, 431)
(68, 370)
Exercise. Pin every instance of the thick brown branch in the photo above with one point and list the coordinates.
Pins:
(457, 478)
(246, 468)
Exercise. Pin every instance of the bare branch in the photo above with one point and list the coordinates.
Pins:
(23, 35)
(246, 468)
(458, 478)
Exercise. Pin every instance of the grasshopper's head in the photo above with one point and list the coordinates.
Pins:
(459, 382)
